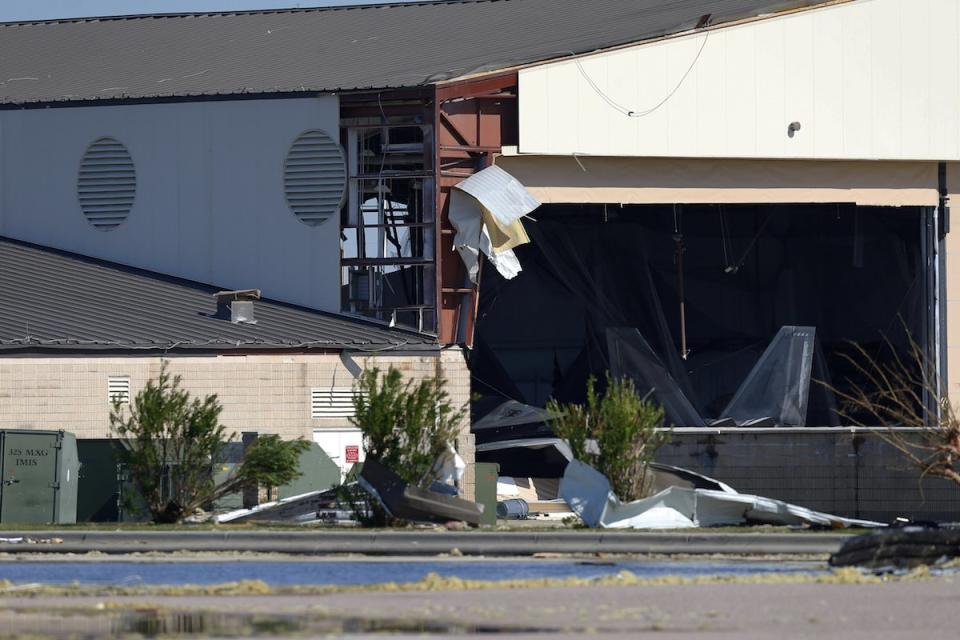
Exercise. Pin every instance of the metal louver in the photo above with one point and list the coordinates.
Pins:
(118, 389)
(107, 183)
(314, 177)
(331, 403)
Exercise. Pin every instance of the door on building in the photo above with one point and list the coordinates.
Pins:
(344, 445)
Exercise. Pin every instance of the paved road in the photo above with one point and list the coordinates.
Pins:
(923, 609)
(425, 542)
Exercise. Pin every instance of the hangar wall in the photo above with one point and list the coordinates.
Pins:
(209, 202)
(868, 79)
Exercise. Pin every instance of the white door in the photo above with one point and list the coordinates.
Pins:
(343, 445)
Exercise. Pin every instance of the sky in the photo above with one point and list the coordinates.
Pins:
(12, 10)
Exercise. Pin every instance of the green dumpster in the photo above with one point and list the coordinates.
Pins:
(38, 477)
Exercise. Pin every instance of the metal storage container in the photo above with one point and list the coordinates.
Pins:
(98, 493)
(38, 477)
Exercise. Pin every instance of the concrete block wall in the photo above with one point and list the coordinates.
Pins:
(265, 393)
(854, 474)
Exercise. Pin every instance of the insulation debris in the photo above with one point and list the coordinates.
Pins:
(485, 210)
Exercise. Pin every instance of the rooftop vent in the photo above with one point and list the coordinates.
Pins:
(237, 306)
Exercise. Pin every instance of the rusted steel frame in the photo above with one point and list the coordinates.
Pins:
(452, 127)
(475, 87)
(469, 148)
(480, 154)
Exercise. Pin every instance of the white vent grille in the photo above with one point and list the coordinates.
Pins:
(107, 184)
(331, 403)
(118, 388)
(315, 177)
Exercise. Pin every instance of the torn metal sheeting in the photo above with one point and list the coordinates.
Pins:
(306, 507)
(665, 475)
(512, 413)
(530, 443)
(588, 493)
(485, 210)
(504, 201)
(536, 457)
(406, 502)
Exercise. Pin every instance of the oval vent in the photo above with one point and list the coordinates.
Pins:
(314, 177)
(107, 183)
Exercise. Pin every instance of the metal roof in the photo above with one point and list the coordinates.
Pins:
(327, 49)
(52, 299)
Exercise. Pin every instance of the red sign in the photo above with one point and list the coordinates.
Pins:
(352, 452)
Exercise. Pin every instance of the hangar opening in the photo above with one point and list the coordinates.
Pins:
(727, 314)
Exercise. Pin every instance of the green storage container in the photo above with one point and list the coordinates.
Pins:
(98, 494)
(39, 475)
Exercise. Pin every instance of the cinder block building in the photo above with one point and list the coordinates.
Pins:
(731, 192)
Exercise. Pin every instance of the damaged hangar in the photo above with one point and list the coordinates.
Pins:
(715, 198)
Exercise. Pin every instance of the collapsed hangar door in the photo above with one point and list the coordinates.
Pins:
(854, 274)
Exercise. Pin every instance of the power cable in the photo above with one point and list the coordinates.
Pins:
(632, 113)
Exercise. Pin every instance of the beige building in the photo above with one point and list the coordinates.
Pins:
(282, 369)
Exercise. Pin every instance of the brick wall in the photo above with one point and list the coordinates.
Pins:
(265, 393)
(840, 472)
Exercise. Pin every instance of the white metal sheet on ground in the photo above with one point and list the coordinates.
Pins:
(588, 493)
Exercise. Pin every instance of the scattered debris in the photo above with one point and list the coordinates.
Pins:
(485, 209)
(899, 548)
(412, 503)
(588, 493)
(315, 506)
(527, 457)
(27, 540)
(513, 509)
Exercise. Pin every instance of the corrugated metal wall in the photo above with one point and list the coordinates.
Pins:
(209, 202)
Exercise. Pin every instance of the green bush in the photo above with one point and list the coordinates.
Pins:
(170, 443)
(625, 429)
(406, 426)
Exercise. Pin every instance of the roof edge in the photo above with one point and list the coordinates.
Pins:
(399, 332)
(241, 12)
